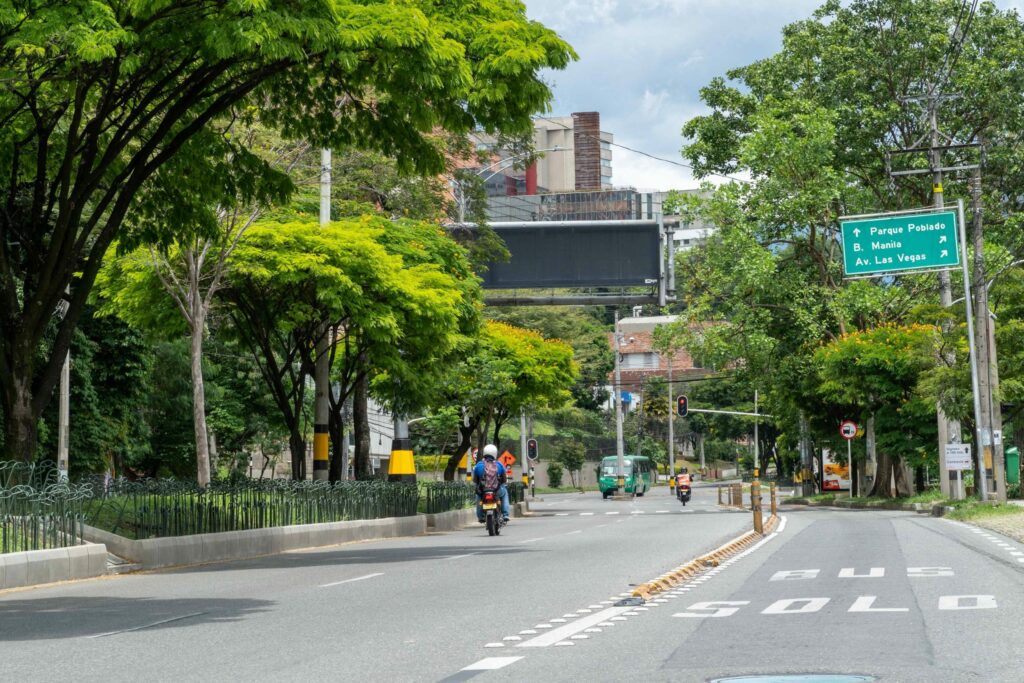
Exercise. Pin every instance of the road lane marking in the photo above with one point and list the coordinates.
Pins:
(570, 533)
(495, 645)
(491, 663)
(864, 603)
(531, 540)
(851, 573)
(611, 513)
(145, 626)
(956, 602)
(586, 514)
(578, 626)
(795, 575)
(459, 557)
(804, 606)
(358, 578)
(701, 610)
(561, 514)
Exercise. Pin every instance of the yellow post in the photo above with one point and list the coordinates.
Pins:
(755, 505)
(775, 508)
(401, 466)
(463, 470)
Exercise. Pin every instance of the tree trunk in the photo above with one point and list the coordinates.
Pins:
(870, 478)
(903, 478)
(361, 429)
(199, 395)
(336, 428)
(297, 446)
(465, 440)
(21, 424)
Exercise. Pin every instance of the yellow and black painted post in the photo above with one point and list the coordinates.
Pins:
(774, 499)
(755, 504)
(463, 470)
(401, 466)
(321, 408)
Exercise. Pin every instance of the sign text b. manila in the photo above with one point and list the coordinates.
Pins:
(893, 243)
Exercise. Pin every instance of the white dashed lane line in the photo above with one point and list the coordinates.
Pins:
(999, 542)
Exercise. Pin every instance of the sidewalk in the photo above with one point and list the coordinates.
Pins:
(1008, 525)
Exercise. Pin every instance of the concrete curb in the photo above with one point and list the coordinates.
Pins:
(452, 520)
(35, 567)
(176, 551)
(924, 508)
(687, 571)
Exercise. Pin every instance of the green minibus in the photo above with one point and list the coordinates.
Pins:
(638, 470)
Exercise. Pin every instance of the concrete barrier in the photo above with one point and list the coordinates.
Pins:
(35, 567)
(154, 553)
(452, 520)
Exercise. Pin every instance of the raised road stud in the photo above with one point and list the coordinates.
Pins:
(402, 466)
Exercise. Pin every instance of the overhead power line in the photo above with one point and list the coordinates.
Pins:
(641, 152)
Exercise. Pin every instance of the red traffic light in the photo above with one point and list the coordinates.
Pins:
(531, 449)
(681, 406)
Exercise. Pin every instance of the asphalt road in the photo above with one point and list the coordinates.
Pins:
(413, 609)
(895, 596)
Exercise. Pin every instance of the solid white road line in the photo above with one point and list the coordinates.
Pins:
(560, 634)
(457, 557)
(491, 663)
(358, 578)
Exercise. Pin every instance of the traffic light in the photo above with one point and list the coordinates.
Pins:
(681, 406)
(531, 449)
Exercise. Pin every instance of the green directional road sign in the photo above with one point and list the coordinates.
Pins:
(892, 243)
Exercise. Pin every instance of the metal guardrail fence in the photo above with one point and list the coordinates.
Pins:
(159, 508)
(516, 492)
(443, 496)
(36, 511)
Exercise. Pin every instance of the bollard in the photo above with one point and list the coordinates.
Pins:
(755, 505)
(774, 499)
(737, 495)
(719, 495)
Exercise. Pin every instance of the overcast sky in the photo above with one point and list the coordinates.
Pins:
(642, 63)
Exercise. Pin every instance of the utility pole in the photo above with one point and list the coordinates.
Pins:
(949, 430)
(525, 463)
(671, 431)
(757, 464)
(617, 391)
(322, 369)
(990, 450)
(64, 406)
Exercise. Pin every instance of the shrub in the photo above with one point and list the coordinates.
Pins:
(555, 474)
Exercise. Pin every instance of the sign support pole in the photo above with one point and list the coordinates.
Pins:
(983, 475)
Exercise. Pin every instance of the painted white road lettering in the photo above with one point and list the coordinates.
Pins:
(713, 609)
(864, 604)
(851, 573)
(951, 602)
(795, 575)
(796, 606)
(918, 572)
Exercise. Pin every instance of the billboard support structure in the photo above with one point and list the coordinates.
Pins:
(611, 254)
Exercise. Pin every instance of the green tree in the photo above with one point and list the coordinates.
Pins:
(108, 116)
(505, 370)
(286, 278)
(878, 371)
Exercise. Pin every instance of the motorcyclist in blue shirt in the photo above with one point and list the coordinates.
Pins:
(489, 473)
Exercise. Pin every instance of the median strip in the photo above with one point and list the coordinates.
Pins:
(690, 570)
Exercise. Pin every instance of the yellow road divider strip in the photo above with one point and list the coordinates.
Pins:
(687, 571)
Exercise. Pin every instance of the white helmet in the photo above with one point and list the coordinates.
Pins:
(490, 451)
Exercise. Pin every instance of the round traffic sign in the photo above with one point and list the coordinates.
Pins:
(848, 429)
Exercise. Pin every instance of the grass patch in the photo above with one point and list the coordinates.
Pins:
(566, 489)
(819, 498)
(966, 510)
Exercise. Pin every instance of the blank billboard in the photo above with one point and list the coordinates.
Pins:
(577, 254)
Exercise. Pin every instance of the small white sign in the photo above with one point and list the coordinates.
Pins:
(958, 456)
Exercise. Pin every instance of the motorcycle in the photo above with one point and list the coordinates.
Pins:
(491, 504)
(683, 493)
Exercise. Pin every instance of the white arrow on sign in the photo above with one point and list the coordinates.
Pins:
(856, 232)
(942, 239)
(944, 253)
